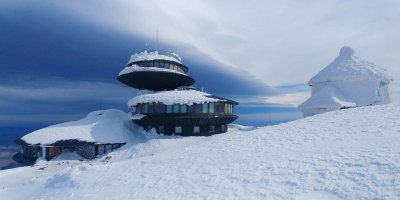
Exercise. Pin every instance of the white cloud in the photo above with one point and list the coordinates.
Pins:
(276, 41)
(293, 99)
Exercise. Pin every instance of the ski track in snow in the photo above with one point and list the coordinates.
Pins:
(347, 154)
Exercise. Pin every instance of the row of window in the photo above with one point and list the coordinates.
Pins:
(196, 129)
(162, 64)
(213, 107)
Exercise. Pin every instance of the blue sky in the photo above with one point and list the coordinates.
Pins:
(59, 60)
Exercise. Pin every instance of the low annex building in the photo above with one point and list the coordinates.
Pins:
(100, 132)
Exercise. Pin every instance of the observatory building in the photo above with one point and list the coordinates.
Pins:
(167, 102)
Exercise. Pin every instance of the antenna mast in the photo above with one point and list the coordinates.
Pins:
(157, 39)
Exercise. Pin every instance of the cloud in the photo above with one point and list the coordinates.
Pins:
(66, 92)
(276, 42)
(57, 100)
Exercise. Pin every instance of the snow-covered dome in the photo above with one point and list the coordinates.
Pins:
(347, 82)
(103, 126)
(347, 66)
(155, 55)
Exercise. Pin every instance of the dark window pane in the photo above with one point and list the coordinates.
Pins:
(169, 108)
(183, 108)
(211, 107)
(205, 107)
(176, 108)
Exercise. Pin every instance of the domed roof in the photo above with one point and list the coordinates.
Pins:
(103, 126)
(347, 66)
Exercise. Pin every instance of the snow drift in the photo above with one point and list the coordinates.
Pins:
(103, 126)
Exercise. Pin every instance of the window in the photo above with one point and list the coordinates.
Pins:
(156, 64)
(151, 107)
(160, 129)
(178, 129)
(205, 107)
(195, 108)
(100, 149)
(176, 108)
(146, 108)
(160, 108)
(212, 106)
(108, 148)
(212, 129)
(166, 65)
(161, 65)
(196, 129)
(183, 108)
(169, 108)
(115, 146)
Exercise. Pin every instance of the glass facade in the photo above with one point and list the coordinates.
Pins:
(213, 107)
(162, 64)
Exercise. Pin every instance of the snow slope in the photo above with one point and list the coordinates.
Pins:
(346, 154)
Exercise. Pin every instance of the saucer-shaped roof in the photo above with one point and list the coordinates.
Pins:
(155, 55)
(187, 97)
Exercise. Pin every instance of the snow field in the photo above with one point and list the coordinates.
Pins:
(346, 154)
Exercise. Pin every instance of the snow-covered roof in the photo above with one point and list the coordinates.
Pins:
(188, 97)
(137, 68)
(104, 126)
(155, 55)
(327, 97)
(347, 66)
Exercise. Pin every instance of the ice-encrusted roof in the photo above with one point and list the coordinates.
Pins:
(155, 55)
(327, 97)
(347, 66)
(103, 126)
(137, 68)
(188, 97)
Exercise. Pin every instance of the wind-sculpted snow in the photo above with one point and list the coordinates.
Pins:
(346, 154)
(103, 126)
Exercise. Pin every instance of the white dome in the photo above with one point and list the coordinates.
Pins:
(347, 66)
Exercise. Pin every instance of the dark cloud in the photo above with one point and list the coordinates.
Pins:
(56, 67)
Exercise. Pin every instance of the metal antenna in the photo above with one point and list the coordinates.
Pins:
(157, 40)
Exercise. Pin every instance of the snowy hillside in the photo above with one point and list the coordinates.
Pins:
(346, 154)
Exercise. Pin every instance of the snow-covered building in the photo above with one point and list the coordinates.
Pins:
(347, 82)
(166, 101)
(98, 133)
